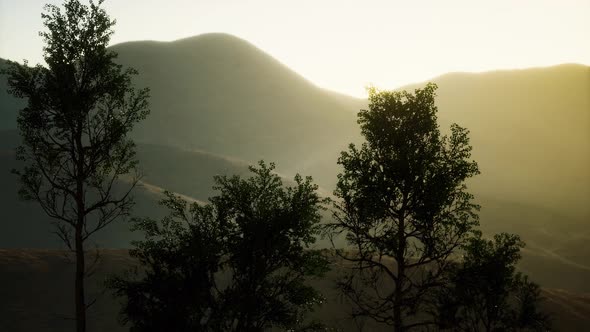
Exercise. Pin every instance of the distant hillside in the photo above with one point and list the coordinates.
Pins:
(556, 253)
(530, 128)
(218, 93)
(188, 173)
(23, 224)
(184, 171)
(9, 105)
(218, 103)
(530, 132)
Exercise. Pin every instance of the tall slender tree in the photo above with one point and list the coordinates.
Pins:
(75, 145)
(403, 206)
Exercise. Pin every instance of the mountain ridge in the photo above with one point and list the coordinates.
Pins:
(528, 130)
(452, 74)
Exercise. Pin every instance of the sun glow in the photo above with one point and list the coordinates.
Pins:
(347, 45)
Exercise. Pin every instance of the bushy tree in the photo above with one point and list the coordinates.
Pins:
(485, 293)
(80, 110)
(179, 258)
(403, 206)
(238, 263)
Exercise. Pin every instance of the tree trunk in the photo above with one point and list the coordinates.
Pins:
(399, 284)
(81, 206)
(397, 312)
(79, 291)
(398, 297)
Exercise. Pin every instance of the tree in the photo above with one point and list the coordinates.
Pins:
(176, 289)
(485, 293)
(403, 206)
(238, 263)
(74, 130)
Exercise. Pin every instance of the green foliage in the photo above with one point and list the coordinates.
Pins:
(485, 293)
(238, 263)
(80, 110)
(402, 196)
(180, 256)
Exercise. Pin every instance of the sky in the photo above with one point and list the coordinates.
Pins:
(345, 45)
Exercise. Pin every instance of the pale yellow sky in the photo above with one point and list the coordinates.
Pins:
(345, 45)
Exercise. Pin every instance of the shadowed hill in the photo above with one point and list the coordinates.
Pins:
(185, 172)
(190, 173)
(530, 128)
(530, 132)
(556, 253)
(9, 105)
(217, 99)
(24, 224)
(218, 93)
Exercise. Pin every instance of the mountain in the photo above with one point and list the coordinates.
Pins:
(24, 224)
(9, 105)
(530, 132)
(221, 94)
(188, 173)
(219, 103)
(530, 128)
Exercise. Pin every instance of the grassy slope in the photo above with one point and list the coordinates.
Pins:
(36, 296)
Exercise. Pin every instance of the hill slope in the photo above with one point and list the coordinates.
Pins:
(9, 105)
(530, 128)
(189, 173)
(216, 98)
(218, 93)
(530, 132)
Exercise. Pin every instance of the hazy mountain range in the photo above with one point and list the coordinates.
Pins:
(219, 103)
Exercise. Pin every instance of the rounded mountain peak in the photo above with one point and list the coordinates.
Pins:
(215, 41)
(212, 37)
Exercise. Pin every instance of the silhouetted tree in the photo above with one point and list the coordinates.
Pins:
(485, 293)
(176, 288)
(404, 207)
(80, 110)
(238, 263)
